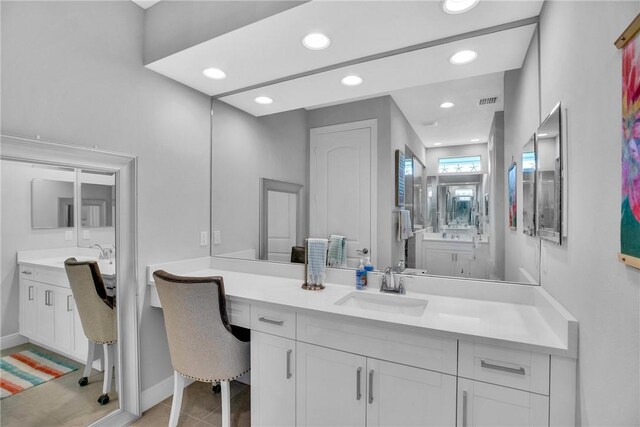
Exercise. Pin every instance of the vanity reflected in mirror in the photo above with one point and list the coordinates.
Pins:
(337, 148)
(549, 177)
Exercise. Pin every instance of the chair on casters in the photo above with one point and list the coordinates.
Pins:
(98, 318)
(203, 345)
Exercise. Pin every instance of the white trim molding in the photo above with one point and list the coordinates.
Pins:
(12, 340)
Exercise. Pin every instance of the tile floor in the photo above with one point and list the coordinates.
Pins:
(202, 408)
(59, 402)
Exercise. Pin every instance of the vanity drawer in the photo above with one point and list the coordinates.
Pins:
(523, 370)
(393, 343)
(273, 320)
(239, 313)
(52, 276)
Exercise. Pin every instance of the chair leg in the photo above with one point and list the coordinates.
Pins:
(178, 387)
(91, 351)
(226, 404)
(108, 369)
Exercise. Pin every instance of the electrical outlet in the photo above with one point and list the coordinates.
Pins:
(68, 235)
(204, 238)
(86, 234)
(216, 237)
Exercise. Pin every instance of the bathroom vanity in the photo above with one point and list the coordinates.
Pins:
(450, 352)
(47, 311)
(454, 255)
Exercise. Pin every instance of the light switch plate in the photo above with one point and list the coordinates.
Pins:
(68, 235)
(216, 237)
(204, 238)
(86, 234)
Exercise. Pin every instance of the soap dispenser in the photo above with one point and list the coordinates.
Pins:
(367, 268)
(361, 276)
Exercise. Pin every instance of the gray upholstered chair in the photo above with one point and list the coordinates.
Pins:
(203, 345)
(98, 318)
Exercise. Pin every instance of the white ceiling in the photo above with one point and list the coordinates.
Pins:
(271, 49)
(457, 125)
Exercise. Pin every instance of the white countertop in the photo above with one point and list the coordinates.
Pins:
(516, 325)
(54, 258)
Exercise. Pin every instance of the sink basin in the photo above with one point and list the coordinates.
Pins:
(384, 303)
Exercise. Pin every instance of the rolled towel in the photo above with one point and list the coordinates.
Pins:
(404, 224)
(317, 260)
(337, 251)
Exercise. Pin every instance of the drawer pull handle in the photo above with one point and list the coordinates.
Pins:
(26, 272)
(519, 371)
(271, 321)
(358, 390)
(371, 386)
(289, 363)
(68, 302)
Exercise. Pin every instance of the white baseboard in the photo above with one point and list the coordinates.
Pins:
(12, 340)
(157, 393)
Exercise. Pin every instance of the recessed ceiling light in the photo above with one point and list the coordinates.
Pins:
(454, 7)
(437, 143)
(351, 80)
(543, 134)
(447, 104)
(463, 57)
(214, 73)
(316, 41)
(475, 140)
(264, 100)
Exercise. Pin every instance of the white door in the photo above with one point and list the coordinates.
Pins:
(281, 226)
(462, 264)
(400, 395)
(331, 387)
(28, 308)
(273, 380)
(342, 185)
(483, 404)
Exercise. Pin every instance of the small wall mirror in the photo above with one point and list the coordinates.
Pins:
(529, 187)
(549, 177)
(52, 203)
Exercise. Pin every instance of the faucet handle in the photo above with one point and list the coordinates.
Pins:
(401, 289)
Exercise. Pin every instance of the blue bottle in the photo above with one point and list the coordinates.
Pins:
(361, 276)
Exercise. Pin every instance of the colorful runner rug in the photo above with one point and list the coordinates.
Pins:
(29, 368)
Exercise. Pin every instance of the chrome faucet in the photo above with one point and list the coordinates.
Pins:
(104, 254)
(389, 285)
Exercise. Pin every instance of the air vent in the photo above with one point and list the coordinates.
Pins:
(487, 101)
(430, 123)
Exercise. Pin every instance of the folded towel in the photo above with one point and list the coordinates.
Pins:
(317, 260)
(337, 251)
(404, 224)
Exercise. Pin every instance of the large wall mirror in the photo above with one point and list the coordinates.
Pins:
(338, 144)
(549, 177)
(46, 176)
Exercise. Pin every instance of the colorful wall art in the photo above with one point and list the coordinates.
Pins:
(630, 207)
(513, 196)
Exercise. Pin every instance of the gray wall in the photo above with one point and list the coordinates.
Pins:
(581, 67)
(246, 148)
(73, 72)
(171, 26)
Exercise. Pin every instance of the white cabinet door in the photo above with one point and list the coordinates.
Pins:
(63, 319)
(28, 308)
(400, 395)
(80, 344)
(439, 263)
(331, 387)
(483, 404)
(462, 264)
(45, 318)
(273, 380)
